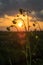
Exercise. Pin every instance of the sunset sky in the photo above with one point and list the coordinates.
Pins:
(8, 9)
(6, 21)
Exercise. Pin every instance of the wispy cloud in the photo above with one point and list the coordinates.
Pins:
(41, 12)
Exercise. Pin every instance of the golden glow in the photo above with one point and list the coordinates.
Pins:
(7, 21)
(19, 23)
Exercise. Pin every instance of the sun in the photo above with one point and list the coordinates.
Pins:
(19, 23)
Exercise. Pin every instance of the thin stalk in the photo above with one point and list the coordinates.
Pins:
(39, 26)
(14, 26)
(27, 37)
(30, 53)
(10, 61)
(26, 56)
(23, 23)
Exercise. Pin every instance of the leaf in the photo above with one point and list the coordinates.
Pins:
(11, 26)
(21, 10)
(8, 28)
(14, 22)
(17, 15)
(34, 25)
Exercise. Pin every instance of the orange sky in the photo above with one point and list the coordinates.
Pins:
(7, 21)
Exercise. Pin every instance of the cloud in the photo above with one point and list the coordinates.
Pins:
(6, 21)
(41, 12)
(33, 13)
(11, 6)
(40, 15)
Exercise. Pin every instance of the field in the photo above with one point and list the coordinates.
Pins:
(24, 48)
